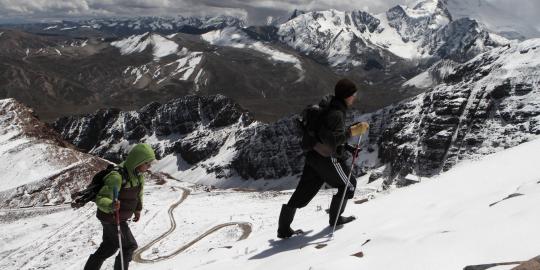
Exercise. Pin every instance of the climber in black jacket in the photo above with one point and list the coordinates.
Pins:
(325, 163)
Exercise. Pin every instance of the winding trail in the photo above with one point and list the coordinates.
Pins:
(137, 255)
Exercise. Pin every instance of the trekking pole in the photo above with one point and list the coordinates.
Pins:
(117, 216)
(346, 186)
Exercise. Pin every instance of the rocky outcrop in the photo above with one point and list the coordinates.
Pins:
(485, 105)
(270, 151)
(196, 130)
(181, 126)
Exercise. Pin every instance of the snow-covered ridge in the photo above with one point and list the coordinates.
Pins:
(483, 106)
(161, 46)
(233, 37)
(186, 64)
(326, 33)
(36, 162)
(182, 68)
(433, 75)
(154, 24)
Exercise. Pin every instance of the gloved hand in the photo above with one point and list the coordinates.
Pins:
(116, 206)
(137, 216)
(351, 149)
(359, 129)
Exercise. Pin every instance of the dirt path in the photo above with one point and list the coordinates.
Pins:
(137, 255)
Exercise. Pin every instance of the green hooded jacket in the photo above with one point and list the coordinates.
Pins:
(139, 155)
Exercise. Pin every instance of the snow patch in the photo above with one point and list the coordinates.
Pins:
(421, 81)
(50, 27)
(389, 38)
(161, 46)
(232, 37)
(186, 64)
(138, 72)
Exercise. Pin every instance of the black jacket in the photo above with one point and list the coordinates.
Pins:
(333, 134)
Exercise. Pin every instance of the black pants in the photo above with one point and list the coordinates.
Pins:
(110, 246)
(317, 171)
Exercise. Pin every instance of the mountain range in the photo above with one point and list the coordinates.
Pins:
(480, 107)
(77, 67)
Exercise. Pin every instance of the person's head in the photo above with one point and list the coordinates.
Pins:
(140, 158)
(345, 90)
(143, 167)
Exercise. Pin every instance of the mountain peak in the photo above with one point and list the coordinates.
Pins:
(428, 8)
(161, 46)
(296, 13)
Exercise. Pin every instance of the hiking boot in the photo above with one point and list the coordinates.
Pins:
(342, 220)
(333, 211)
(285, 219)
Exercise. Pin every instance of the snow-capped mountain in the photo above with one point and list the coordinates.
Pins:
(485, 105)
(425, 32)
(233, 37)
(38, 166)
(161, 46)
(122, 27)
(81, 75)
(272, 71)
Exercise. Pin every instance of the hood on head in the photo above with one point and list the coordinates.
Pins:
(141, 153)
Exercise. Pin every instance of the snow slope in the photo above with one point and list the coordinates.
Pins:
(233, 37)
(442, 223)
(456, 219)
(138, 43)
(32, 154)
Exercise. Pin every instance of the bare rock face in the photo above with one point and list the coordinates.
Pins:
(108, 132)
(270, 151)
(196, 129)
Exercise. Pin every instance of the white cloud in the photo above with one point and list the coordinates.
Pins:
(36, 6)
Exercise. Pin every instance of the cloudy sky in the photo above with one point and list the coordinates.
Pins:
(254, 11)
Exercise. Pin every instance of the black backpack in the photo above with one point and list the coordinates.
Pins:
(80, 198)
(310, 123)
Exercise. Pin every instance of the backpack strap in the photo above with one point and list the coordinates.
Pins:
(123, 174)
